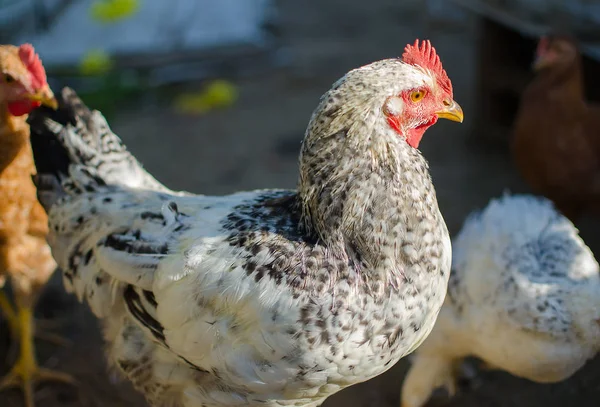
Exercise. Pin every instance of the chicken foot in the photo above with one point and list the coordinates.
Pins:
(26, 371)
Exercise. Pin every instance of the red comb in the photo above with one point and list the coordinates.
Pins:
(424, 55)
(34, 65)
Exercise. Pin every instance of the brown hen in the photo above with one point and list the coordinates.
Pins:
(24, 254)
(556, 139)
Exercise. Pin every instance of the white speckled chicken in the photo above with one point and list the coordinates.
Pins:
(524, 296)
(270, 297)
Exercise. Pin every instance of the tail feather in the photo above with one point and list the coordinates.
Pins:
(73, 136)
(50, 155)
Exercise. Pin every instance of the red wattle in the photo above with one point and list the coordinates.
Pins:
(22, 107)
(394, 123)
(413, 136)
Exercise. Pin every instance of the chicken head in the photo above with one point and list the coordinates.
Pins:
(414, 109)
(23, 85)
(555, 50)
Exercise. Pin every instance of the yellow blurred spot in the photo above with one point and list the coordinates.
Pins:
(109, 11)
(217, 94)
(95, 62)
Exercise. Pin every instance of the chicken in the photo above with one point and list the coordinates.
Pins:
(523, 296)
(24, 254)
(269, 297)
(556, 142)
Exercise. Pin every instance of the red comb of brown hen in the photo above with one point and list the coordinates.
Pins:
(424, 55)
(34, 65)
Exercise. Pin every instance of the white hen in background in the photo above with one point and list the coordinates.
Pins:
(523, 295)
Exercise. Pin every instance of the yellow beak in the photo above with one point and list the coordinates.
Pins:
(45, 97)
(451, 111)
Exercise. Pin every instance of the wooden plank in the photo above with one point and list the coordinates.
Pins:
(509, 19)
(501, 75)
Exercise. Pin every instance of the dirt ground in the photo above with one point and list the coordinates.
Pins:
(254, 144)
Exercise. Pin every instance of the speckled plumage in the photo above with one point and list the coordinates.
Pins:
(523, 295)
(262, 298)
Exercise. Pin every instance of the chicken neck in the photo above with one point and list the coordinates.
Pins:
(14, 142)
(372, 200)
(562, 82)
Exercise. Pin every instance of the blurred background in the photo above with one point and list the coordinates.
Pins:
(213, 96)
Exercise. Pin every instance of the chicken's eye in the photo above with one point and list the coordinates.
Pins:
(8, 78)
(417, 95)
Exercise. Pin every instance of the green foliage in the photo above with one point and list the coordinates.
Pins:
(109, 94)
(110, 11)
(95, 62)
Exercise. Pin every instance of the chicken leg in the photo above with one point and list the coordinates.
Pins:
(26, 371)
(13, 325)
(427, 374)
(9, 313)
